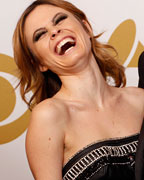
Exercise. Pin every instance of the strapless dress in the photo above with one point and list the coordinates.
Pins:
(112, 159)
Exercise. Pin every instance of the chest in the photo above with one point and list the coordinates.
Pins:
(91, 125)
(109, 120)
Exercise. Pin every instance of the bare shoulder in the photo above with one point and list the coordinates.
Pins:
(48, 116)
(45, 139)
(134, 92)
(134, 96)
(49, 109)
(50, 112)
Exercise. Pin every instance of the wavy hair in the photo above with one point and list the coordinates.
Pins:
(47, 84)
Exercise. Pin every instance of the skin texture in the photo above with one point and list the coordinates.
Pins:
(86, 109)
(45, 47)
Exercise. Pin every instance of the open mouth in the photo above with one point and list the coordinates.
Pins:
(65, 45)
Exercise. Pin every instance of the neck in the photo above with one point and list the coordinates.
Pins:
(87, 85)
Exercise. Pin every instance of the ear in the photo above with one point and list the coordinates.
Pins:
(88, 27)
(43, 68)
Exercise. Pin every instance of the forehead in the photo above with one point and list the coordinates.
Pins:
(42, 15)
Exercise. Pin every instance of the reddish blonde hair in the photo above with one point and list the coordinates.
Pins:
(45, 85)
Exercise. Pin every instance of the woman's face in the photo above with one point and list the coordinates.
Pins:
(57, 38)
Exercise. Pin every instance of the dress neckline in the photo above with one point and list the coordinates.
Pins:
(118, 151)
(110, 141)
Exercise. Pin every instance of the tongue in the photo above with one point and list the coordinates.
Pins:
(66, 46)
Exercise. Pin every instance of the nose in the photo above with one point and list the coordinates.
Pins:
(54, 33)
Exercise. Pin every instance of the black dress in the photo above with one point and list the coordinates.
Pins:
(139, 166)
(112, 159)
(141, 70)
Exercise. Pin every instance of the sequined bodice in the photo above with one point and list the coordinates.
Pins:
(112, 159)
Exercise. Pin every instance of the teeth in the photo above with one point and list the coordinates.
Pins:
(62, 43)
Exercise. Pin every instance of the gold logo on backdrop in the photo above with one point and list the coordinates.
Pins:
(122, 39)
(14, 129)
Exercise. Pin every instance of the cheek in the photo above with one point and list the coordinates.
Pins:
(42, 49)
(88, 42)
(82, 33)
(85, 39)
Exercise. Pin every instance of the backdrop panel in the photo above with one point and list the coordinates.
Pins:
(122, 24)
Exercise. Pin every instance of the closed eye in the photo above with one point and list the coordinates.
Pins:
(41, 31)
(38, 35)
(59, 19)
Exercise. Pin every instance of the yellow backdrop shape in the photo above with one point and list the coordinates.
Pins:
(14, 129)
(123, 39)
(7, 99)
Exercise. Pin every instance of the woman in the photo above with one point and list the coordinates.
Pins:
(80, 127)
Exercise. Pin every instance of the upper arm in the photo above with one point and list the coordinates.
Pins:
(44, 144)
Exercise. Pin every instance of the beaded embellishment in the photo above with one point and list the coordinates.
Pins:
(100, 157)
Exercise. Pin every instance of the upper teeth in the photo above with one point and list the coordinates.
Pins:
(62, 43)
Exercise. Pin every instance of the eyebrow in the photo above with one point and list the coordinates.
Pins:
(53, 21)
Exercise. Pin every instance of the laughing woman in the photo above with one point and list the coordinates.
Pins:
(80, 126)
